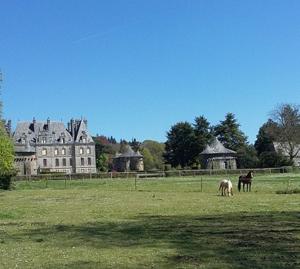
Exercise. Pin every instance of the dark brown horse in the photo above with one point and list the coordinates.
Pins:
(245, 180)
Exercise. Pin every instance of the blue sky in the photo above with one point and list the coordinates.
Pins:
(135, 68)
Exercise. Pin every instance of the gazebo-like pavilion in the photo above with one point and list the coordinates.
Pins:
(216, 156)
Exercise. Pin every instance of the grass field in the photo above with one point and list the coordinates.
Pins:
(164, 223)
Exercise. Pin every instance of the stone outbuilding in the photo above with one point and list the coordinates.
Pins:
(216, 156)
(129, 160)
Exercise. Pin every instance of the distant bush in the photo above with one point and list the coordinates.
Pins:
(6, 180)
(292, 191)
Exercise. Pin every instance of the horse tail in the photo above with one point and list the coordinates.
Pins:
(239, 184)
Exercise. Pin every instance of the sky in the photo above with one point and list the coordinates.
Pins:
(134, 68)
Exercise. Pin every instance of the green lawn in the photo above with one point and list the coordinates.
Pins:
(164, 223)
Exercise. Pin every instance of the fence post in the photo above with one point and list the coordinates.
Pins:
(201, 184)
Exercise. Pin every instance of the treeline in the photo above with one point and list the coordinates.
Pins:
(277, 143)
(152, 151)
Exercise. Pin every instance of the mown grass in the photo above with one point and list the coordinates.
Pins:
(163, 223)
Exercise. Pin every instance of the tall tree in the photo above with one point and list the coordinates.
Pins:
(229, 133)
(181, 145)
(203, 132)
(264, 139)
(286, 129)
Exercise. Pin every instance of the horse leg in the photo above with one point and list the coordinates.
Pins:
(243, 187)
(250, 186)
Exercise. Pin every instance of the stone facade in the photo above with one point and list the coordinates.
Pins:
(128, 161)
(50, 147)
(216, 156)
(283, 148)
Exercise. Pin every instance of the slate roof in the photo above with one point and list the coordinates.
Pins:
(129, 153)
(216, 147)
(33, 130)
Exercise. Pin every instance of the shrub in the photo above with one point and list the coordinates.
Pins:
(6, 180)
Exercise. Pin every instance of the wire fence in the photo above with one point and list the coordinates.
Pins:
(155, 174)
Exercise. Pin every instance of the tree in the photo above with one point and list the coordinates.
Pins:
(148, 159)
(247, 157)
(229, 133)
(202, 132)
(156, 150)
(102, 162)
(6, 152)
(286, 129)
(264, 139)
(135, 145)
(6, 155)
(181, 145)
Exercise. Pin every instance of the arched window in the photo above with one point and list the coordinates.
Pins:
(56, 162)
(81, 151)
(44, 152)
(56, 152)
(64, 162)
(63, 151)
(89, 161)
(88, 150)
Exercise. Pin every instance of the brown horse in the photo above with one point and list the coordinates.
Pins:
(245, 180)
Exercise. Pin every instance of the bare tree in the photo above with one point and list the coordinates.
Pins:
(286, 128)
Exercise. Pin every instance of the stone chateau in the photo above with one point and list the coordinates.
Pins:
(47, 146)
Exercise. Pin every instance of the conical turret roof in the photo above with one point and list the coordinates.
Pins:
(216, 147)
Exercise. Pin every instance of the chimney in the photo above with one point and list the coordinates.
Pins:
(8, 127)
(85, 122)
(34, 121)
(72, 128)
(48, 122)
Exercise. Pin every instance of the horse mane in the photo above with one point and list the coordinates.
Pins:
(249, 175)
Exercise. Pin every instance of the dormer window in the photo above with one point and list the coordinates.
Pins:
(83, 138)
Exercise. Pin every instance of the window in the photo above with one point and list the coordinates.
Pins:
(84, 140)
(81, 151)
(71, 162)
(44, 152)
(63, 140)
(64, 162)
(88, 150)
(82, 161)
(56, 152)
(44, 162)
(44, 140)
(56, 162)
(63, 151)
(89, 161)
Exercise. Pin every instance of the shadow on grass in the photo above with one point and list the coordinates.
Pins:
(246, 240)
